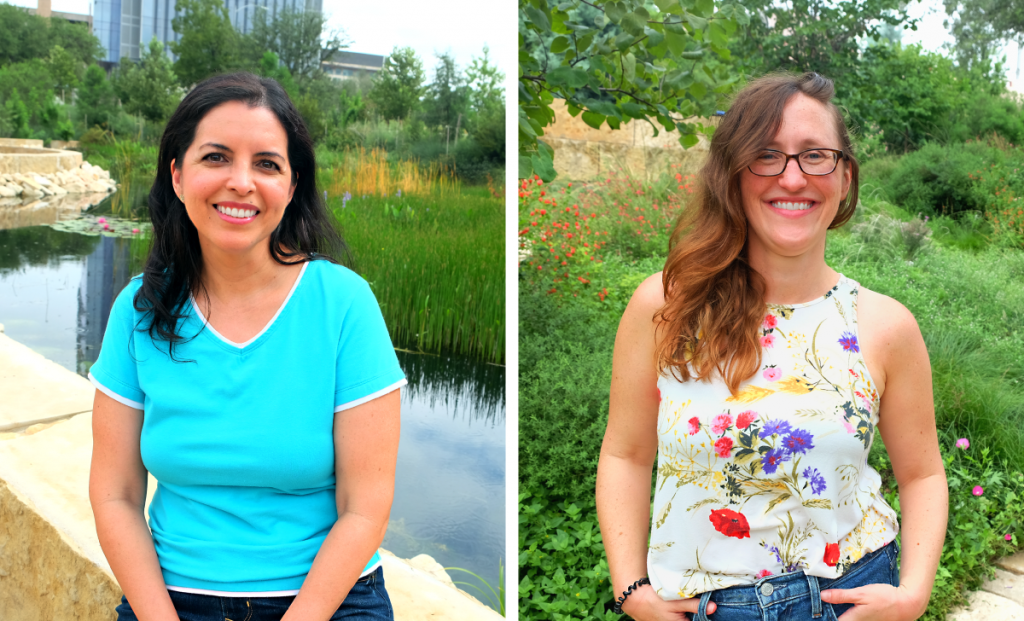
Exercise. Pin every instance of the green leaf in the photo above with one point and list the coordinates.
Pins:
(632, 109)
(573, 109)
(689, 140)
(692, 55)
(705, 8)
(666, 6)
(613, 122)
(635, 22)
(583, 42)
(545, 149)
(593, 119)
(696, 22)
(717, 35)
(615, 11)
(623, 41)
(524, 125)
(606, 108)
(560, 44)
(666, 122)
(538, 18)
(676, 42)
(629, 67)
(654, 38)
(525, 166)
(543, 166)
(573, 77)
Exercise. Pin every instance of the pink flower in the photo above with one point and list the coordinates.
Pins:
(977, 491)
(963, 443)
(772, 374)
(770, 321)
(723, 446)
(743, 419)
(767, 340)
(101, 220)
(106, 227)
(721, 423)
(763, 573)
(1008, 537)
(135, 230)
(694, 425)
(849, 427)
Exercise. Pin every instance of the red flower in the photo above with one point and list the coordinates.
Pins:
(770, 321)
(832, 554)
(723, 446)
(730, 523)
(694, 425)
(743, 419)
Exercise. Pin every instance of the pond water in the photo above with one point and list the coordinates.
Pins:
(56, 291)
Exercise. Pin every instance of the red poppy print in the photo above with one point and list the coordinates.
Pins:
(730, 523)
(694, 425)
(770, 321)
(743, 419)
(723, 446)
(832, 554)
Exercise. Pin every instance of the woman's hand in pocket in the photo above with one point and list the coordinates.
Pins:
(644, 604)
(875, 602)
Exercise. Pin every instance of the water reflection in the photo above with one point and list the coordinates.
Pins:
(17, 213)
(56, 292)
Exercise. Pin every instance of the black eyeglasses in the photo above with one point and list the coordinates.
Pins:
(817, 162)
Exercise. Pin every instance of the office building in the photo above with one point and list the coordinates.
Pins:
(125, 27)
(346, 65)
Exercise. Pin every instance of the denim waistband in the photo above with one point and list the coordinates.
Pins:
(772, 590)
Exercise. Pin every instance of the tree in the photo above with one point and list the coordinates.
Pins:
(815, 35)
(76, 39)
(622, 60)
(447, 96)
(298, 38)
(208, 43)
(22, 35)
(398, 86)
(485, 81)
(979, 25)
(96, 97)
(64, 70)
(149, 88)
(271, 67)
(18, 116)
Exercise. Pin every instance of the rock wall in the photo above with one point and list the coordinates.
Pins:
(83, 179)
(51, 563)
(582, 152)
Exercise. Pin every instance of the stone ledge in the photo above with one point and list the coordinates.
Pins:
(36, 389)
(983, 606)
(1013, 564)
(51, 563)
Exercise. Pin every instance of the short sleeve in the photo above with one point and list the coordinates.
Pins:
(367, 365)
(115, 372)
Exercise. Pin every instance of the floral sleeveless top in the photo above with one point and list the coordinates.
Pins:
(774, 479)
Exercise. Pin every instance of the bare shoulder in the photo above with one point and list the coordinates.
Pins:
(649, 296)
(881, 314)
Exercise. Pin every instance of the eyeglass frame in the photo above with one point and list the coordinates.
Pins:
(840, 155)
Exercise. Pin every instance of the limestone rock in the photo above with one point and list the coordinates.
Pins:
(983, 606)
(1013, 564)
(7, 192)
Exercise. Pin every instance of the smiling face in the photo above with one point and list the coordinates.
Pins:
(788, 215)
(235, 178)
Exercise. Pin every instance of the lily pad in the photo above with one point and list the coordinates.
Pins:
(108, 226)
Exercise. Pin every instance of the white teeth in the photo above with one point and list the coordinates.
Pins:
(793, 206)
(235, 212)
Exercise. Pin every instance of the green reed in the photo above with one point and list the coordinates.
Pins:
(436, 266)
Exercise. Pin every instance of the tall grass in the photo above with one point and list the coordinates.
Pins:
(369, 173)
(435, 262)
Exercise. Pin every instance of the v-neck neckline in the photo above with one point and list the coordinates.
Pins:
(240, 346)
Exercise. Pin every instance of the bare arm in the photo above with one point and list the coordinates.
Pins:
(627, 457)
(366, 450)
(117, 492)
(907, 425)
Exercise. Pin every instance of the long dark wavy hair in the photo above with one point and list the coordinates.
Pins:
(714, 299)
(174, 266)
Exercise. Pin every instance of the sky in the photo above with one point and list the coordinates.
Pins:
(462, 27)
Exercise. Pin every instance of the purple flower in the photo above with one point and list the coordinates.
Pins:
(849, 342)
(815, 479)
(798, 441)
(779, 427)
(771, 460)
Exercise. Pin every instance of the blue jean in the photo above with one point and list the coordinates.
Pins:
(797, 596)
(367, 601)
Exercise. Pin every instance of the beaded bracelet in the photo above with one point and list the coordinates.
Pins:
(617, 608)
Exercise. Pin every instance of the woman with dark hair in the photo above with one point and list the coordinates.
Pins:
(253, 376)
(758, 375)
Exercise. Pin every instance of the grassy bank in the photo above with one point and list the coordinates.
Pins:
(432, 250)
(962, 279)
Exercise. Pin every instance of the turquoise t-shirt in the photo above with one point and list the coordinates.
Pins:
(240, 436)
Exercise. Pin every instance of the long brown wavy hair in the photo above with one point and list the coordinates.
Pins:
(714, 299)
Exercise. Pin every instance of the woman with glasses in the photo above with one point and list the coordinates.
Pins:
(759, 375)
